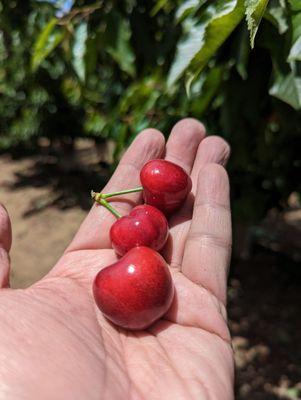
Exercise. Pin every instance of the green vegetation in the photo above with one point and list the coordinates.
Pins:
(108, 69)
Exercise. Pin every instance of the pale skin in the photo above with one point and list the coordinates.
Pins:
(55, 343)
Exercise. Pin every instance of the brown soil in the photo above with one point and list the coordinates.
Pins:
(47, 197)
(47, 204)
(38, 237)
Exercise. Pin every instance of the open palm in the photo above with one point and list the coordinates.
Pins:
(54, 342)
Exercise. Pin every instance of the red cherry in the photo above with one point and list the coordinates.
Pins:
(136, 290)
(144, 226)
(165, 185)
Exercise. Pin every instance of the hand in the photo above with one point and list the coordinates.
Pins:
(54, 342)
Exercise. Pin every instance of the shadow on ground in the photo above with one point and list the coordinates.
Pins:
(264, 313)
(68, 176)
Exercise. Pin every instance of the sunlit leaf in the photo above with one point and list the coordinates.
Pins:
(277, 14)
(254, 12)
(47, 41)
(187, 7)
(204, 38)
(295, 51)
(79, 50)
(288, 89)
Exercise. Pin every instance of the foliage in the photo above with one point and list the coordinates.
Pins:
(108, 69)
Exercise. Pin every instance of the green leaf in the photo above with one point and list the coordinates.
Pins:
(140, 97)
(277, 15)
(295, 5)
(209, 87)
(254, 12)
(187, 49)
(288, 89)
(79, 50)
(122, 51)
(95, 124)
(47, 41)
(296, 26)
(295, 51)
(160, 4)
(91, 55)
(187, 7)
(204, 38)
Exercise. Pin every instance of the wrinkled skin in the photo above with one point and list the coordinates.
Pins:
(55, 344)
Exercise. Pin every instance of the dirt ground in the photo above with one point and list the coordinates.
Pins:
(47, 204)
(38, 237)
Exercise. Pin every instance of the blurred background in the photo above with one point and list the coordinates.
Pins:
(80, 79)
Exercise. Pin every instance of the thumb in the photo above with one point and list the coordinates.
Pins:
(5, 244)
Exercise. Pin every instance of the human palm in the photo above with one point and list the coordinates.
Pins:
(54, 342)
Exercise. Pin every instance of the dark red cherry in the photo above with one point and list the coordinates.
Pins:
(144, 226)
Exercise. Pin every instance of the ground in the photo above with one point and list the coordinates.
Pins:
(47, 202)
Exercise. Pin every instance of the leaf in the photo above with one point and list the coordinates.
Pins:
(295, 51)
(139, 96)
(122, 51)
(207, 91)
(188, 7)
(296, 26)
(204, 38)
(254, 12)
(187, 50)
(160, 4)
(79, 50)
(95, 124)
(295, 5)
(46, 42)
(288, 89)
(91, 54)
(277, 15)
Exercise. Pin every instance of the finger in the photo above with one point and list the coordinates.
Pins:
(94, 231)
(213, 149)
(183, 142)
(181, 148)
(208, 246)
(5, 244)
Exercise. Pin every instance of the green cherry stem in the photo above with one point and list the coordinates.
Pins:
(107, 195)
(98, 199)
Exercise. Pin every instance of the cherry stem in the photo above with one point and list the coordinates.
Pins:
(98, 199)
(107, 195)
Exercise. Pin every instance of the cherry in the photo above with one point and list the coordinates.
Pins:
(144, 226)
(136, 290)
(165, 185)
